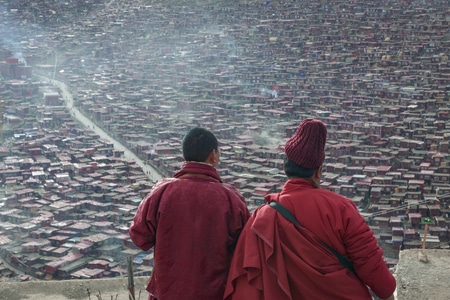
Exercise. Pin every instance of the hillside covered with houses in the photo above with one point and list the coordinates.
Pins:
(376, 74)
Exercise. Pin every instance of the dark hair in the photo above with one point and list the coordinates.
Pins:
(198, 144)
(291, 169)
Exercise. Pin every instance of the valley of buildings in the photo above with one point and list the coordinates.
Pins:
(377, 73)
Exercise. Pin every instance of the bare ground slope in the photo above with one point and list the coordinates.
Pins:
(415, 280)
(425, 281)
(106, 289)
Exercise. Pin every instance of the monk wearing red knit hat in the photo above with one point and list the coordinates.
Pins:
(307, 242)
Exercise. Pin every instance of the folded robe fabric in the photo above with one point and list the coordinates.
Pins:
(276, 259)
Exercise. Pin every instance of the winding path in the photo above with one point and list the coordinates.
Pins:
(149, 170)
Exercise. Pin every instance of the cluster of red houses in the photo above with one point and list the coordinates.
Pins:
(377, 73)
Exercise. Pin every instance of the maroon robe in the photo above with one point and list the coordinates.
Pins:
(193, 222)
(275, 259)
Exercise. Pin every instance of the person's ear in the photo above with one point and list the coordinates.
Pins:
(318, 173)
(316, 177)
(212, 158)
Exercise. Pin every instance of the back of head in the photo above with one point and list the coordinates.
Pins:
(306, 148)
(198, 144)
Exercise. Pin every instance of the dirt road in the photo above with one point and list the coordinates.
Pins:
(152, 173)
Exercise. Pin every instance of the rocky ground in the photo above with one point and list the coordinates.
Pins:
(423, 280)
(98, 289)
(415, 280)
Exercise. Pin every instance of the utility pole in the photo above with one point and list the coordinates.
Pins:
(130, 278)
(54, 68)
(423, 257)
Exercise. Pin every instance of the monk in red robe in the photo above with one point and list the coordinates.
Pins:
(276, 258)
(192, 221)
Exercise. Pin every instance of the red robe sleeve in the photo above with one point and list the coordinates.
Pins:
(143, 228)
(366, 255)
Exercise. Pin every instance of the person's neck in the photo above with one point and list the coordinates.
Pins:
(309, 180)
(200, 162)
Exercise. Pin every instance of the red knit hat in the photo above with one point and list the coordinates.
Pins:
(306, 147)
